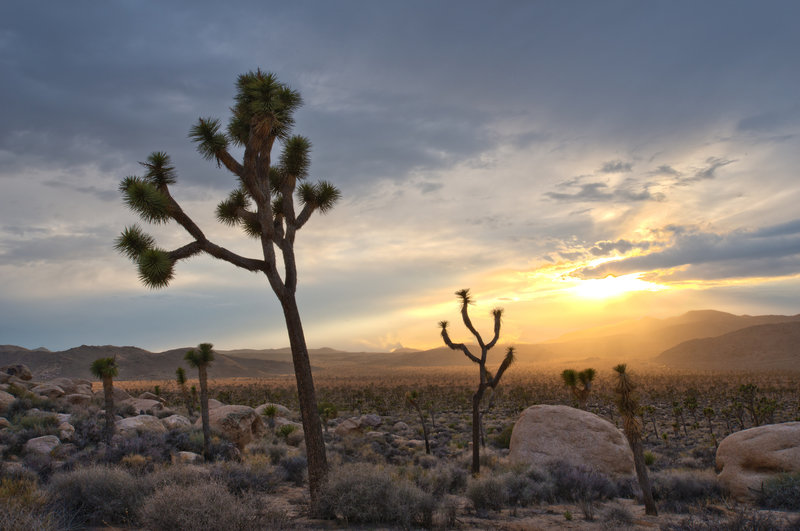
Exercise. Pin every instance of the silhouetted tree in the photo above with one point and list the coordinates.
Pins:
(580, 383)
(628, 405)
(262, 205)
(106, 369)
(200, 358)
(486, 379)
(180, 378)
(412, 399)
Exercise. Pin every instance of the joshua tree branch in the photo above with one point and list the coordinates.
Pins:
(458, 346)
(468, 324)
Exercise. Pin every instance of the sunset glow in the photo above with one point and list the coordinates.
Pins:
(612, 286)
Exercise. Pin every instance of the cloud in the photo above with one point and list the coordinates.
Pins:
(616, 166)
(666, 169)
(620, 246)
(770, 251)
(705, 173)
(630, 190)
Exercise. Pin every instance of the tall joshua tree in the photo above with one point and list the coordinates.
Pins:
(486, 378)
(573, 378)
(106, 369)
(628, 406)
(200, 358)
(180, 378)
(262, 205)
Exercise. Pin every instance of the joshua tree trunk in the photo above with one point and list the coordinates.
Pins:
(476, 428)
(203, 376)
(108, 394)
(312, 427)
(641, 475)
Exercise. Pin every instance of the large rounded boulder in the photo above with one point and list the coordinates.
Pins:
(748, 458)
(238, 424)
(546, 433)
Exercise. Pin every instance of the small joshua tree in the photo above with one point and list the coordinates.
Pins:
(573, 378)
(106, 369)
(412, 399)
(180, 378)
(200, 358)
(486, 379)
(628, 405)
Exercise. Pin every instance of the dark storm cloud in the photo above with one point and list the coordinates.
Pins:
(764, 252)
(621, 246)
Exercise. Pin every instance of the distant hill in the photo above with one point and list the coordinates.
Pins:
(704, 339)
(766, 347)
(134, 363)
(646, 338)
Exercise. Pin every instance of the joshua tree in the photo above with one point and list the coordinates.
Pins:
(412, 399)
(180, 377)
(106, 369)
(262, 205)
(708, 413)
(572, 378)
(627, 405)
(200, 358)
(486, 379)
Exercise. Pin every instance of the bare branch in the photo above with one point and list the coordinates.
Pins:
(458, 346)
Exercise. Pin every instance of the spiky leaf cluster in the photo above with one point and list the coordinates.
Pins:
(295, 158)
(321, 196)
(210, 141)
(133, 242)
(201, 356)
(104, 368)
(156, 268)
(260, 96)
(229, 210)
(143, 197)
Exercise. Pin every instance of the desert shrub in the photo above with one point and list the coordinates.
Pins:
(42, 465)
(680, 491)
(618, 516)
(240, 478)
(649, 458)
(181, 474)
(576, 483)
(781, 492)
(294, 469)
(88, 431)
(152, 446)
(363, 493)
(16, 517)
(503, 438)
(523, 488)
(445, 478)
(486, 493)
(208, 506)
(96, 495)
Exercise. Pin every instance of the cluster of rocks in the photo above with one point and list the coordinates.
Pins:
(745, 459)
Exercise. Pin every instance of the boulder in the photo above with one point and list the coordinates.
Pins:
(546, 433)
(283, 411)
(4, 423)
(400, 426)
(147, 395)
(142, 405)
(214, 403)
(48, 391)
(41, 445)
(133, 426)
(747, 458)
(78, 399)
(6, 399)
(280, 421)
(68, 385)
(238, 424)
(348, 427)
(371, 420)
(176, 422)
(187, 458)
(119, 395)
(66, 431)
(20, 371)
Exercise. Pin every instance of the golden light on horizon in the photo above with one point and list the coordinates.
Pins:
(611, 286)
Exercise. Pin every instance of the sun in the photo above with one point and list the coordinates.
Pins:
(611, 286)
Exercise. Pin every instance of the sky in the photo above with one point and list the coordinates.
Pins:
(577, 163)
